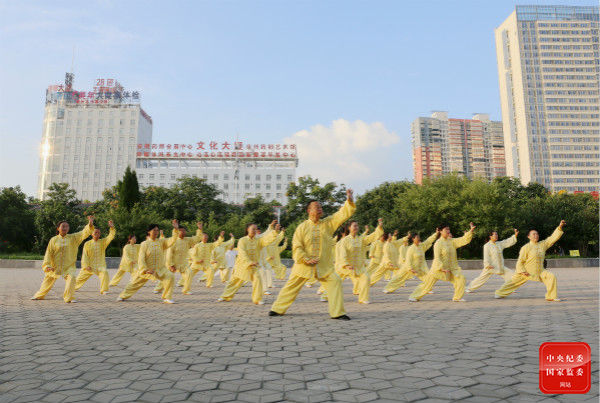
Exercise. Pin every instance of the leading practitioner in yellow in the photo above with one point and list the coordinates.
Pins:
(151, 264)
(93, 259)
(445, 265)
(312, 251)
(414, 262)
(493, 260)
(530, 265)
(60, 257)
(246, 263)
(353, 252)
(128, 262)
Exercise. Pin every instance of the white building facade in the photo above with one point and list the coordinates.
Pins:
(89, 139)
(239, 171)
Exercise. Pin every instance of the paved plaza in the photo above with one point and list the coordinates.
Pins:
(484, 350)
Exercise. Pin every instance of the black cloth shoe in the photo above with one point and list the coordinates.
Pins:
(273, 313)
(343, 317)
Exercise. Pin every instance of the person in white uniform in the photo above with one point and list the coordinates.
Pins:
(493, 260)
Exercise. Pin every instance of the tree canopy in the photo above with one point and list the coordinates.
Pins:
(501, 205)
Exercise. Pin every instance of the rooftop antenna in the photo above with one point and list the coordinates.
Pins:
(73, 59)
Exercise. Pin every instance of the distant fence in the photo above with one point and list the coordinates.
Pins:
(113, 263)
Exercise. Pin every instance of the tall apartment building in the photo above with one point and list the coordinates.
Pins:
(89, 139)
(470, 147)
(548, 69)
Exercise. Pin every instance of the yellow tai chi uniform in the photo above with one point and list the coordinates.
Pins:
(246, 266)
(531, 260)
(414, 265)
(128, 263)
(93, 257)
(493, 262)
(315, 241)
(352, 255)
(61, 255)
(274, 258)
(391, 260)
(177, 255)
(217, 260)
(375, 255)
(444, 258)
(152, 266)
(200, 260)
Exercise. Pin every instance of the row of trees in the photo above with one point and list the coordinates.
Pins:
(27, 224)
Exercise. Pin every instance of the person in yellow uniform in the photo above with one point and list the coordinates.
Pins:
(128, 262)
(312, 251)
(93, 259)
(414, 262)
(152, 265)
(60, 257)
(217, 258)
(375, 253)
(200, 260)
(274, 258)
(445, 265)
(353, 253)
(246, 263)
(177, 255)
(389, 261)
(530, 265)
(493, 261)
(403, 245)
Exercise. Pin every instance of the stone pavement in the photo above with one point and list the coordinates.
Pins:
(484, 350)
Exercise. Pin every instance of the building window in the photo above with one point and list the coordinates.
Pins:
(258, 177)
(257, 186)
(278, 186)
(247, 186)
(225, 186)
(226, 176)
(268, 195)
(247, 177)
(216, 177)
(279, 195)
(289, 178)
(278, 177)
(268, 177)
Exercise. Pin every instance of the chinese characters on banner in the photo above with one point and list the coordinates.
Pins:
(214, 149)
(565, 368)
(103, 91)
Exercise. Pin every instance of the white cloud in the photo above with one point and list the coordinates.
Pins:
(344, 152)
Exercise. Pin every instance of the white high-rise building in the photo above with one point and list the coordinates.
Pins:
(89, 138)
(548, 68)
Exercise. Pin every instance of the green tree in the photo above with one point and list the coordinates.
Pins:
(129, 190)
(330, 195)
(17, 226)
(190, 199)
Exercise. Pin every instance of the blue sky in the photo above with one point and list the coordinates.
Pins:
(263, 70)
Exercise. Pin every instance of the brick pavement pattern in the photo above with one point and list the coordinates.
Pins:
(100, 350)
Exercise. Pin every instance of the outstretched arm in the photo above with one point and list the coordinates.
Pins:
(344, 213)
(551, 240)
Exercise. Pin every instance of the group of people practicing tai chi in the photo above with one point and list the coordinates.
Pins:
(320, 252)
